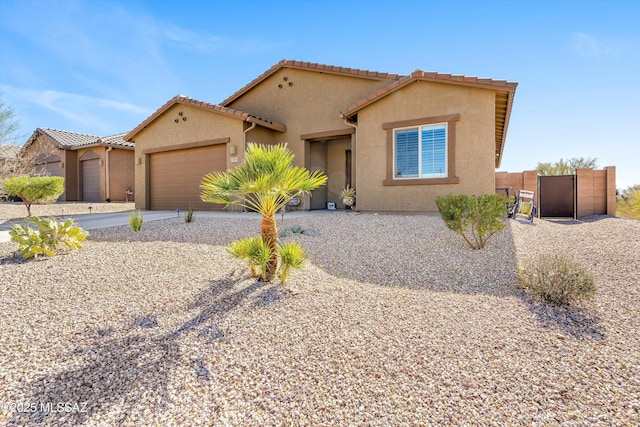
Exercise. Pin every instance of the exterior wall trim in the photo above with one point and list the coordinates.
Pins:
(196, 144)
(421, 121)
(451, 120)
(329, 134)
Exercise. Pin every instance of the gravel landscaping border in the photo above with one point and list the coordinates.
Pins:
(395, 321)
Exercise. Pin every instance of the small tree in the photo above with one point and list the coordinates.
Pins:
(265, 182)
(9, 125)
(34, 189)
(476, 219)
(568, 167)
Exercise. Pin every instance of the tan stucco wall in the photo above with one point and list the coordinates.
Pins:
(121, 174)
(164, 132)
(474, 149)
(71, 175)
(311, 104)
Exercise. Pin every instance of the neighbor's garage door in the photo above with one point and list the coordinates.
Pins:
(91, 180)
(53, 168)
(175, 177)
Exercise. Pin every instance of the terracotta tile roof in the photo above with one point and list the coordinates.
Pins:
(505, 91)
(67, 140)
(429, 76)
(329, 69)
(185, 100)
(9, 151)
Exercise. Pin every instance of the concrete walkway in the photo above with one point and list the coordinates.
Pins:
(113, 219)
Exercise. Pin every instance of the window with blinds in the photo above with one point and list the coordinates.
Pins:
(421, 152)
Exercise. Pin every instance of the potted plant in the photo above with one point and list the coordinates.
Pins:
(348, 196)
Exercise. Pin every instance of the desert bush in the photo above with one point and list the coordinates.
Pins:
(135, 220)
(292, 255)
(34, 189)
(628, 203)
(557, 280)
(476, 219)
(47, 238)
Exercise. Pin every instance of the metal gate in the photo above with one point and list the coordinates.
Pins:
(557, 196)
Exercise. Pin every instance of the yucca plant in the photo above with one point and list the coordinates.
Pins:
(257, 253)
(292, 255)
(49, 235)
(264, 182)
(135, 220)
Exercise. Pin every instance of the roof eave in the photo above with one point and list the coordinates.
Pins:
(511, 95)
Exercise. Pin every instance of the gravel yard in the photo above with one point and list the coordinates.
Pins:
(394, 322)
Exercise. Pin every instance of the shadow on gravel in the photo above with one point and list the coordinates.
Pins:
(132, 366)
(571, 321)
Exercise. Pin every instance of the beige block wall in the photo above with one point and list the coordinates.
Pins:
(200, 125)
(596, 189)
(312, 103)
(474, 148)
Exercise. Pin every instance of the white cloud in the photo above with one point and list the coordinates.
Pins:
(590, 47)
(82, 109)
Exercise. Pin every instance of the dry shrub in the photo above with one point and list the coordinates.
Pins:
(557, 280)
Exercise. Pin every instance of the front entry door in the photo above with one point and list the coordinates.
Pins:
(318, 161)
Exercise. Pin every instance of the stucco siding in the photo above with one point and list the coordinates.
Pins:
(121, 175)
(474, 145)
(307, 102)
(179, 127)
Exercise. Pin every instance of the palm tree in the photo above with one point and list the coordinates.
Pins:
(265, 182)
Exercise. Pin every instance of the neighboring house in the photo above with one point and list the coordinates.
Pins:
(9, 159)
(9, 155)
(401, 141)
(94, 168)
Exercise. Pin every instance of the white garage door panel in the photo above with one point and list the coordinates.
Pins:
(175, 177)
(91, 180)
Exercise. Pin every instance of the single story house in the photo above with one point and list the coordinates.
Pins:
(401, 141)
(94, 168)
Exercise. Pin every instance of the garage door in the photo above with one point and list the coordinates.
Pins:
(175, 177)
(91, 180)
(53, 169)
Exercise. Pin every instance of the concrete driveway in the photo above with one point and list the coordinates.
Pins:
(112, 219)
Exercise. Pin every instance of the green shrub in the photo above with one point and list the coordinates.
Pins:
(476, 219)
(556, 280)
(257, 253)
(34, 189)
(135, 220)
(628, 203)
(291, 256)
(188, 217)
(46, 239)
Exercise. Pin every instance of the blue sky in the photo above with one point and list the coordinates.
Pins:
(102, 67)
